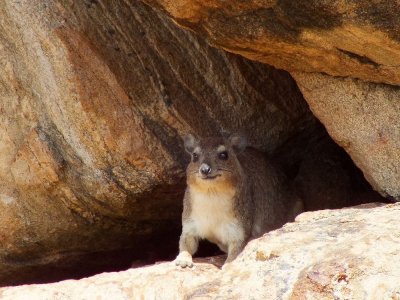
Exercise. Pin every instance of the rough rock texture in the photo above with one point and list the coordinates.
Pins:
(334, 254)
(363, 118)
(93, 99)
(339, 37)
(358, 39)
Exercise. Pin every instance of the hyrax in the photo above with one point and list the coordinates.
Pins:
(233, 195)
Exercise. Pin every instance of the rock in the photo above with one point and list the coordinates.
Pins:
(358, 40)
(363, 118)
(94, 99)
(324, 176)
(164, 281)
(329, 254)
(341, 38)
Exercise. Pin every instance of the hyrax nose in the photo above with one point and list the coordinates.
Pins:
(205, 169)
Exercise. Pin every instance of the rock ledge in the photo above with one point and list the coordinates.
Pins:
(351, 253)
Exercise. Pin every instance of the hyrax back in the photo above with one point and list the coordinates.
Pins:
(233, 195)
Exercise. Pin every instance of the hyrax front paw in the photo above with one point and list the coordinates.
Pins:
(184, 259)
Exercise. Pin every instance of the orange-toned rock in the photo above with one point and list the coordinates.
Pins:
(340, 38)
(94, 98)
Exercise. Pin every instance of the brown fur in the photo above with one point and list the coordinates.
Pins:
(240, 198)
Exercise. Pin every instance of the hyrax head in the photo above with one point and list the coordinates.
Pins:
(213, 160)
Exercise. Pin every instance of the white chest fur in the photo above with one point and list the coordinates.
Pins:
(212, 216)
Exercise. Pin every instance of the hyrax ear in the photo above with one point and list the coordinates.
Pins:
(238, 142)
(190, 143)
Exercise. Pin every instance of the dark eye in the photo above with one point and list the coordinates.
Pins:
(195, 157)
(223, 155)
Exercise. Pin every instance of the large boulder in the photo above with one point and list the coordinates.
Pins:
(332, 254)
(342, 38)
(363, 118)
(94, 98)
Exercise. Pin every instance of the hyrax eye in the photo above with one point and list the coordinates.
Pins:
(195, 157)
(223, 155)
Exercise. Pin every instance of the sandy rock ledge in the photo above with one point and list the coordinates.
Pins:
(351, 253)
